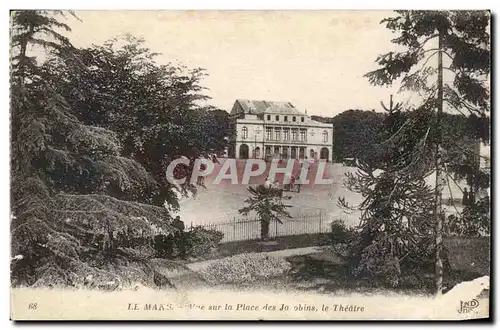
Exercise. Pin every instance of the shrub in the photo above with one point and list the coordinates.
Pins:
(340, 233)
(194, 243)
(340, 237)
(200, 241)
(245, 268)
(474, 220)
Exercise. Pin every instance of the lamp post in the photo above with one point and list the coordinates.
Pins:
(257, 132)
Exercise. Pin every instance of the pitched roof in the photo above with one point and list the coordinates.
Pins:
(272, 107)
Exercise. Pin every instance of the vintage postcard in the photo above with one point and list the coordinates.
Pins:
(250, 165)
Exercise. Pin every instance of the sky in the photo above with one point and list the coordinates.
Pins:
(314, 59)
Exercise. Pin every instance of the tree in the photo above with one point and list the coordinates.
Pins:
(461, 36)
(354, 132)
(393, 238)
(155, 109)
(268, 204)
(355, 135)
(216, 129)
(74, 195)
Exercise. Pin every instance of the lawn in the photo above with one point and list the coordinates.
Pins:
(256, 246)
(321, 270)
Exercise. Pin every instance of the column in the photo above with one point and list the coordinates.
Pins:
(237, 151)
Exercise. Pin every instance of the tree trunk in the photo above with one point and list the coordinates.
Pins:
(23, 61)
(264, 229)
(439, 181)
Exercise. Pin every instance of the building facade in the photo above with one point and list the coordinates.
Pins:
(265, 129)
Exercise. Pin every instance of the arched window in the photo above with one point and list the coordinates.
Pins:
(245, 132)
(325, 136)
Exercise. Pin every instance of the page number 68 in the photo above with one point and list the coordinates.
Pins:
(32, 306)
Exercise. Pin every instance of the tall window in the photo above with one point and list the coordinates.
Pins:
(286, 118)
(269, 133)
(278, 118)
(245, 132)
(294, 135)
(277, 134)
(268, 117)
(325, 136)
(302, 119)
(294, 118)
(302, 135)
(286, 134)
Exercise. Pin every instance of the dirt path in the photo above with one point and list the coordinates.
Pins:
(185, 279)
(197, 266)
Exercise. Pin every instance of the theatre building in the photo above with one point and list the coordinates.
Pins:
(265, 129)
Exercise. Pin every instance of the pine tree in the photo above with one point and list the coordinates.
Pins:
(73, 198)
(393, 238)
(461, 36)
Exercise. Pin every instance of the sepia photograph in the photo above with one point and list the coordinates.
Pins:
(250, 164)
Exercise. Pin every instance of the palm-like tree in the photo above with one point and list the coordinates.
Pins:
(268, 204)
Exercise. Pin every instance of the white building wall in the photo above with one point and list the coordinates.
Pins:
(254, 137)
(317, 135)
(316, 139)
(256, 133)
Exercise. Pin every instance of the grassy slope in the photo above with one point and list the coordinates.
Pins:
(324, 272)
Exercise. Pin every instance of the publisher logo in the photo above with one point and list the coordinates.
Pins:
(468, 306)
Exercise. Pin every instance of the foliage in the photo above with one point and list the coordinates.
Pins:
(245, 268)
(268, 204)
(156, 110)
(465, 40)
(473, 221)
(201, 241)
(355, 135)
(461, 36)
(72, 191)
(340, 238)
(465, 43)
(397, 204)
(196, 243)
(340, 233)
(89, 134)
(354, 132)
